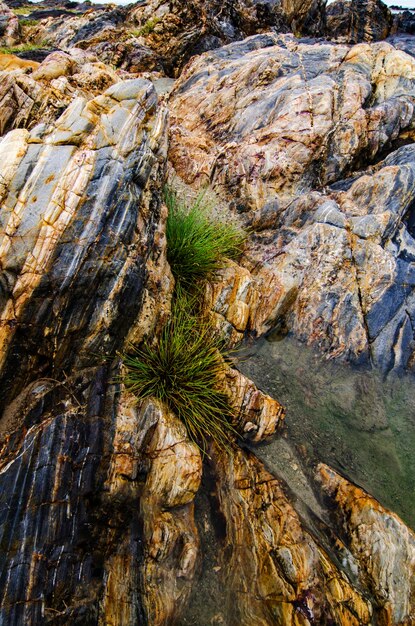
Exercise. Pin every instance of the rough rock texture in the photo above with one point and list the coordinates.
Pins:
(354, 21)
(83, 270)
(157, 34)
(258, 416)
(384, 548)
(154, 474)
(269, 119)
(9, 26)
(272, 569)
(42, 96)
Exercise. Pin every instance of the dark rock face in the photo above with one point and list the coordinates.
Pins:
(354, 21)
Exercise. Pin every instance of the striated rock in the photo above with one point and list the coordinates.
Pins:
(176, 30)
(384, 548)
(81, 176)
(165, 35)
(302, 115)
(83, 258)
(156, 471)
(272, 569)
(332, 266)
(9, 26)
(257, 415)
(353, 21)
(42, 96)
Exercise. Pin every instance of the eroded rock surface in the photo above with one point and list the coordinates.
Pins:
(272, 569)
(83, 265)
(268, 121)
(9, 26)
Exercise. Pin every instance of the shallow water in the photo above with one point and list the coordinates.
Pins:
(354, 420)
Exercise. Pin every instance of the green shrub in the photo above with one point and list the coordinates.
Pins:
(198, 243)
(182, 370)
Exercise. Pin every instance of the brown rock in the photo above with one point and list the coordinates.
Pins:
(382, 545)
(273, 570)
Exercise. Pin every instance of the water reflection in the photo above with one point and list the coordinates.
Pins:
(354, 420)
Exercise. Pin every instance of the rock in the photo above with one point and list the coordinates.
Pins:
(384, 548)
(45, 94)
(58, 168)
(257, 415)
(176, 30)
(84, 271)
(9, 62)
(272, 570)
(155, 468)
(166, 34)
(9, 26)
(354, 21)
(406, 22)
(267, 148)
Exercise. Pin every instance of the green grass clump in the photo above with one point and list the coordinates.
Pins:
(182, 370)
(24, 10)
(28, 22)
(24, 47)
(198, 243)
(148, 27)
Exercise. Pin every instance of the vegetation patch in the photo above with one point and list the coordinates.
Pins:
(198, 243)
(24, 47)
(147, 28)
(184, 366)
(182, 370)
(28, 22)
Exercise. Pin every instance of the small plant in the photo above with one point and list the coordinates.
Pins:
(182, 370)
(147, 28)
(27, 22)
(197, 243)
(24, 47)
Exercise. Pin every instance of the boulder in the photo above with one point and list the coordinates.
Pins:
(354, 21)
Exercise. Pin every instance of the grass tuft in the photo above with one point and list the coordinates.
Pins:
(182, 370)
(198, 243)
(24, 47)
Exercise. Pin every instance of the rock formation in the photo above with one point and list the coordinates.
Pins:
(9, 26)
(301, 125)
(108, 511)
(354, 21)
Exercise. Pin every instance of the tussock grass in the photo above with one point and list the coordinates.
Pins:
(182, 370)
(198, 243)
